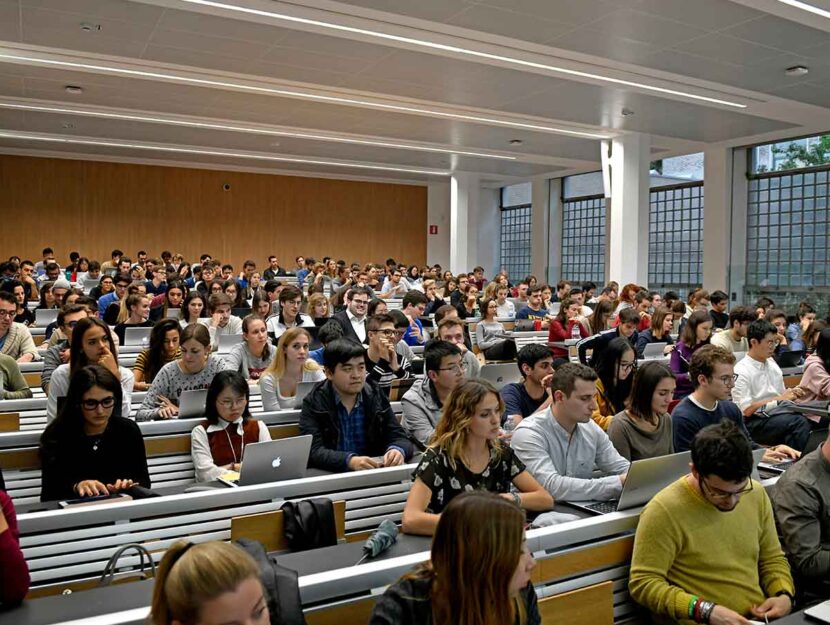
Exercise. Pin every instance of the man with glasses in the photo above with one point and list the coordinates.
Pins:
(422, 404)
(353, 319)
(121, 281)
(15, 338)
(706, 547)
(291, 298)
(522, 399)
(767, 405)
(561, 446)
(58, 354)
(383, 364)
(712, 373)
(395, 286)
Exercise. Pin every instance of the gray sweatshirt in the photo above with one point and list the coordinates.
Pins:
(421, 411)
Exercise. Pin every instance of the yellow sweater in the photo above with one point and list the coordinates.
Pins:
(685, 546)
(605, 411)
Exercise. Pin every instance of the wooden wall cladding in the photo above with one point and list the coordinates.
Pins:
(93, 207)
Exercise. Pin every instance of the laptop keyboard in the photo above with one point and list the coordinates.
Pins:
(603, 507)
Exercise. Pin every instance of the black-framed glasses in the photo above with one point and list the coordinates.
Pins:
(627, 366)
(729, 380)
(455, 368)
(92, 404)
(722, 495)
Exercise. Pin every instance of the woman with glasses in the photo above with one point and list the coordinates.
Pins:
(643, 429)
(217, 444)
(467, 454)
(695, 334)
(290, 366)
(90, 449)
(614, 368)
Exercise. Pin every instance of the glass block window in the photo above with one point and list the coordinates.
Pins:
(787, 237)
(675, 238)
(583, 239)
(515, 241)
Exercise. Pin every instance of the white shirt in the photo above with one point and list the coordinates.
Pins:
(234, 326)
(277, 327)
(506, 310)
(206, 470)
(59, 386)
(358, 324)
(757, 381)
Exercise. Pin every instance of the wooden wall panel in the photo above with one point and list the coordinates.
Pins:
(94, 207)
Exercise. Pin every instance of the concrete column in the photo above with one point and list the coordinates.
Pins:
(555, 230)
(438, 216)
(539, 227)
(487, 252)
(464, 200)
(717, 215)
(627, 221)
(740, 207)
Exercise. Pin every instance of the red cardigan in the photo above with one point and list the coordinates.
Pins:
(14, 573)
(558, 333)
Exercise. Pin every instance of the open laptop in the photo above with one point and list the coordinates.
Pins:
(273, 461)
(90, 283)
(820, 612)
(654, 351)
(174, 313)
(137, 336)
(500, 374)
(303, 389)
(45, 316)
(789, 359)
(817, 437)
(226, 341)
(192, 404)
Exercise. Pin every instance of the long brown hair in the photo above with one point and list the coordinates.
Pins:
(599, 320)
(657, 320)
(472, 562)
(451, 433)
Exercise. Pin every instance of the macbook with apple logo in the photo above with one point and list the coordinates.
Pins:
(272, 461)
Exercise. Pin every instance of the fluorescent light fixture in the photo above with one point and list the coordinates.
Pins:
(222, 84)
(251, 130)
(212, 152)
(807, 7)
(469, 52)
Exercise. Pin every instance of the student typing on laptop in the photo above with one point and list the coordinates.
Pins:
(706, 548)
(218, 443)
(561, 446)
(349, 418)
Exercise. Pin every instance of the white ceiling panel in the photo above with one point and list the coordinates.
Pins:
(212, 26)
(705, 14)
(200, 42)
(565, 11)
(302, 42)
(645, 27)
(585, 40)
(434, 10)
(724, 48)
(102, 9)
(9, 21)
(781, 33)
(506, 23)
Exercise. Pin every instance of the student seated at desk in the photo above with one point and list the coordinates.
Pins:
(193, 371)
(614, 374)
(221, 321)
(643, 429)
(349, 418)
(290, 366)
(92, 344)
(627, 328)
(452, 330)
(815, 381)
(14, 576)
(562, 327)
(90, 449)
(695, 334)
(692, 559)
(662, 322)
(208, 583)
(138, 310)
(522, 399)
(12, 383)
(561, 446)
(290, 301)
(217, 444)
(164, 348)
(383, 364)
(16, 339)
(193, 308)
(478, 572)
(490, 334)
(733, 338)
(58, 354)
(466, 454)
(252, 356)
(534, 310)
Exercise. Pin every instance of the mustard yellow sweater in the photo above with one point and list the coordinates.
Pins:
(684, 546)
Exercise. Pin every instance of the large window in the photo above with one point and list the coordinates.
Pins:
(583, 239)
(787, 237)
(515, 230)
(675, 238)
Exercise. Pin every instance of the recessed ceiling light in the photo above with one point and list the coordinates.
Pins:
(275, 144)
(806, 7)
(797, 70)
(88, 27)
(627, 112)
(516, 142)
(215, 152)
(74, 89)
(67, 125)
(464, 51)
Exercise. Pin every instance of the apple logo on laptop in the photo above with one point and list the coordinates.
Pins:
(276, 462)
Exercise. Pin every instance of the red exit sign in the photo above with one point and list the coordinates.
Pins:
(433, 229)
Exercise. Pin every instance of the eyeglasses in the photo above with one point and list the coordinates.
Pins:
(233, 403)
(71, 324)
(721, 495)
(7, 313)
(729, 380)
(627, 366)
(461, 366)
(92, 404)
(360, 302)
(388, 332)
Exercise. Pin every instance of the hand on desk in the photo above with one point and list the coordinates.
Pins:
(774, 607)
(392, 458)
(362, 463)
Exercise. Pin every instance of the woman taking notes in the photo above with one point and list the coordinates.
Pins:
(467, 454)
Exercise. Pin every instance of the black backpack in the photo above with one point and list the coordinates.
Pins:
(280, 584)
(309, 524)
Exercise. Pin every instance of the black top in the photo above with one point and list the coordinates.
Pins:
(436, 472)
(407, 602)
(719, 319)
(121, 329)
(69, 457)
(27, 317)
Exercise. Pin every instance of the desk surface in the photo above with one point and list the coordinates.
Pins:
(50, 610)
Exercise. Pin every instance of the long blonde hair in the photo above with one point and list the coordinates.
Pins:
(190, 575)
(451, 433)
(277, 367)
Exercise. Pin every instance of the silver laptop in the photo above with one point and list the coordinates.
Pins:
(192, 404)
(226, 341)
(500, 374)
(654, 351)
(273, 461)
(817, 437)
(45, 316)
(645, 479)
(174, 313)
(137, 336)
(90, 283)
(820, 612)
(303, 389)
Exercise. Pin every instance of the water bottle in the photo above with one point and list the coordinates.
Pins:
(508, 428)
(575, 335)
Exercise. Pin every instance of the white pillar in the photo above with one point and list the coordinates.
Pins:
(717, 214)
(740, 208)
(464, 200)
(438, 224)
(555, 230)
(487, 252)
(539, 227)
(627, 257)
